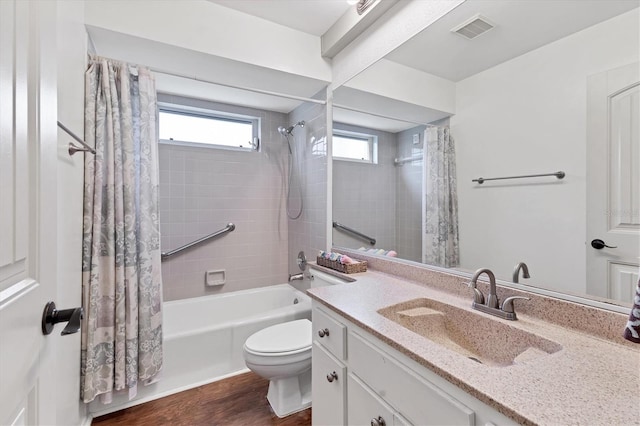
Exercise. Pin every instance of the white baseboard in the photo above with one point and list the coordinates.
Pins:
(87, 420)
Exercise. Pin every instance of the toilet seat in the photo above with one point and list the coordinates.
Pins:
(287, 338)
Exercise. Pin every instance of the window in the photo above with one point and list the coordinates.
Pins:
(353, 146)
(211, 128)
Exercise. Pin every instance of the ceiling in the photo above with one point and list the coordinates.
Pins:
(520, 26)
(309, 16)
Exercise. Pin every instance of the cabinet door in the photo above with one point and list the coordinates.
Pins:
(366, 408)
(328, 386)
(331, 333)
(398, 420)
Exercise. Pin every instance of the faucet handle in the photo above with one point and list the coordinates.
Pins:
(507, 305)
(478, 297)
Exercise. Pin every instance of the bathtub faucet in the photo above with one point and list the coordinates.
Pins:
(296, 277)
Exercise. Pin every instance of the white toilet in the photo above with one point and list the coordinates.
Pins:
(282, 354)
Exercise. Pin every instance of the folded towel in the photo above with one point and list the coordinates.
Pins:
(382, 252)
(632, 330)
(342, 258)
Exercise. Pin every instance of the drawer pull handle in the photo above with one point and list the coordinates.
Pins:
(323, 332)
(332, 376)
(378, 422)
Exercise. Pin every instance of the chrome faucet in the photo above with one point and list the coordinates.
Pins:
(296, 277)
(492, 300)
(492, 304)
(516, 272)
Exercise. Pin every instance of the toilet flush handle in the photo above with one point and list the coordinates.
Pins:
(323, 332)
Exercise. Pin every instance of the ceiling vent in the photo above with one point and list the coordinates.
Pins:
(473, 27)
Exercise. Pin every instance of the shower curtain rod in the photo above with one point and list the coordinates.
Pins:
(231, 86)
(384, 116)
(72, 148)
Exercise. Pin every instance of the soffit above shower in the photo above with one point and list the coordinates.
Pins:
(309, 16)
(212, 29)
(377, 112)
(520, 26)
(202, 66)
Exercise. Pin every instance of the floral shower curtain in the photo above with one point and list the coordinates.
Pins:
(121, 281)
(439, 199)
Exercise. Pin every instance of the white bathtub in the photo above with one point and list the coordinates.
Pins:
(203, 338)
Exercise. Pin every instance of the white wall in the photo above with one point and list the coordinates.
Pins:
(71, 56)
(528, 116)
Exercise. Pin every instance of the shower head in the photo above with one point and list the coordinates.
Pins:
(289, 130)
(284, 131)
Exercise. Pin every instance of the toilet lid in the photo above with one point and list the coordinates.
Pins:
(286, 337)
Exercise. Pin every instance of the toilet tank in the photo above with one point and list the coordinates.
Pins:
(321, 279)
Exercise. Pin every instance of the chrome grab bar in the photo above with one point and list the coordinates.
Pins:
(230, 227)
(481, 180)
(367, 238)
(401, 161)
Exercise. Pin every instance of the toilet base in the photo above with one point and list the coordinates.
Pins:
(290, 394)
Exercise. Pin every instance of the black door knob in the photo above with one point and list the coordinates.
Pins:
(599, 244)
(51, 316)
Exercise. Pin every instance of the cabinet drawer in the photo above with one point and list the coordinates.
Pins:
(335, 339)
(413, 397)
(328, 396)
(365, 406)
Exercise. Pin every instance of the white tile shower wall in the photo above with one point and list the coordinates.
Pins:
(364, 195)
(203, 189)
(309, 232)
(409, 196)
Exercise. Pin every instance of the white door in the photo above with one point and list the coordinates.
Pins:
(27, 209)
(613, 183)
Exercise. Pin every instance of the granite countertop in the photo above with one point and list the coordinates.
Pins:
(591, 380)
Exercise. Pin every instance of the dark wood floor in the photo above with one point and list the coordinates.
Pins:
(238, 400)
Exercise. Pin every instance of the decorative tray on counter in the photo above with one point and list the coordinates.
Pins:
(345, 268)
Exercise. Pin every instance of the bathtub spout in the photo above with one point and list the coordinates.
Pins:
(296, 277)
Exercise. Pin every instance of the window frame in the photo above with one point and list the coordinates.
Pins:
(211, 114)
(372, 141)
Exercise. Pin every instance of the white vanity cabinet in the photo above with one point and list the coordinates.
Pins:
(376, 385)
